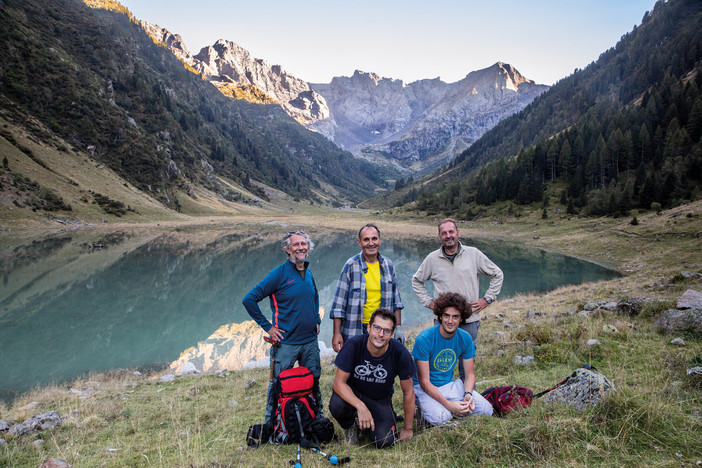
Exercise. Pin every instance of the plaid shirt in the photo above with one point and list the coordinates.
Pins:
(350, 295)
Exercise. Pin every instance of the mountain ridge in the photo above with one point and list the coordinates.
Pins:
(418, 125)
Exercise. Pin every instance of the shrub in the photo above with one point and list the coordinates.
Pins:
(110, 206)
(539, 334)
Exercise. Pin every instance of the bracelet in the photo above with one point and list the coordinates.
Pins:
(467, 393)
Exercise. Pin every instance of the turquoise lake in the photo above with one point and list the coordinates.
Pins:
(142, 308)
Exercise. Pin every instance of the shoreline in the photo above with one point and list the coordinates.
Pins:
(546, 236)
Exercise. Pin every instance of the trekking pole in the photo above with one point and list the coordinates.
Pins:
(298, 461)
(275, 344)
(333, 459)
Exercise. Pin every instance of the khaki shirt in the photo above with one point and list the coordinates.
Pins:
(460, 277)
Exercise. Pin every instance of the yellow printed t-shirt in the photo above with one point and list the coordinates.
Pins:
(372, 291)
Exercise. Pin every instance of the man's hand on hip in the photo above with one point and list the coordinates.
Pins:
(478, 305)
(276, 333)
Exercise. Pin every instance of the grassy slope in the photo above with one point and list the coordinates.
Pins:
(202, 421)
(72, 175)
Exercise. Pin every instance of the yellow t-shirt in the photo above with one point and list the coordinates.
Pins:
(372, 291)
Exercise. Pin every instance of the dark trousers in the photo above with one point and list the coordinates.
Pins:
(383, 416)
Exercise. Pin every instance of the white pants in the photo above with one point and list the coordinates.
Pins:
(435, 413)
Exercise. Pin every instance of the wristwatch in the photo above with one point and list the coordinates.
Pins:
(488, 300)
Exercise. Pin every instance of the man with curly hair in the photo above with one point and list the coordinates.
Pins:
(436, 352)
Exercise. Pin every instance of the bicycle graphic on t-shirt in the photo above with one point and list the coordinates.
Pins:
(369, 369)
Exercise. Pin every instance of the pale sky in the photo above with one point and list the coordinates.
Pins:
(410, 40)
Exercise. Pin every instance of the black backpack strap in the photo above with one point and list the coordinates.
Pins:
(303, 438)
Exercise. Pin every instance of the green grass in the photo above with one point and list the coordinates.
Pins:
(652, 420)
(202, 421)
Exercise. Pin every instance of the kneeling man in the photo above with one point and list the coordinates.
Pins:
(363, 385)
(436, 352)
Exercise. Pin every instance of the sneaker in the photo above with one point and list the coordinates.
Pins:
(351, 434)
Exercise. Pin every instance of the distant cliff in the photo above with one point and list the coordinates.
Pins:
(427, 122)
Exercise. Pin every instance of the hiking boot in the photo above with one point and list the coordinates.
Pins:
(351, 434)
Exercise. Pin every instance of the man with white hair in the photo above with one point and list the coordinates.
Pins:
(294, 302)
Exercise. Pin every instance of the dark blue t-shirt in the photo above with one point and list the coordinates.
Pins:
(370, 376)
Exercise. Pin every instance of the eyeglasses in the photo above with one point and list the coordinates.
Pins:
(380, 330)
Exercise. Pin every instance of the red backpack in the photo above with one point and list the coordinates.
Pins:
(296, 413)
(504, 399)
(296, 407)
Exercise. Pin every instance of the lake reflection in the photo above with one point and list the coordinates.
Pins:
(142, 307)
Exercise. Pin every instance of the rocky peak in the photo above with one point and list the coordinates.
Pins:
(361, 77)
(513, 79)
(226, 61)
(173, 41)
(426, 122)
(421, 124)
(238, 74)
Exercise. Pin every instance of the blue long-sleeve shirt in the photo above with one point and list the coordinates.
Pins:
(294, 303)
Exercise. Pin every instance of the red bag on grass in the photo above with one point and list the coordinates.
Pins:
(505, 399)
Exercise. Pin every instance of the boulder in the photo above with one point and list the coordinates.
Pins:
(676, 320)
(188, 369)
(41, 422)
(631, 306)
(28, 406)
(523, 360)
(691, 275)
(690, 300)
(583, 389)
(592, 305)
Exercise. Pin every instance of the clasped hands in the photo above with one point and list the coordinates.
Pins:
(462, 407)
